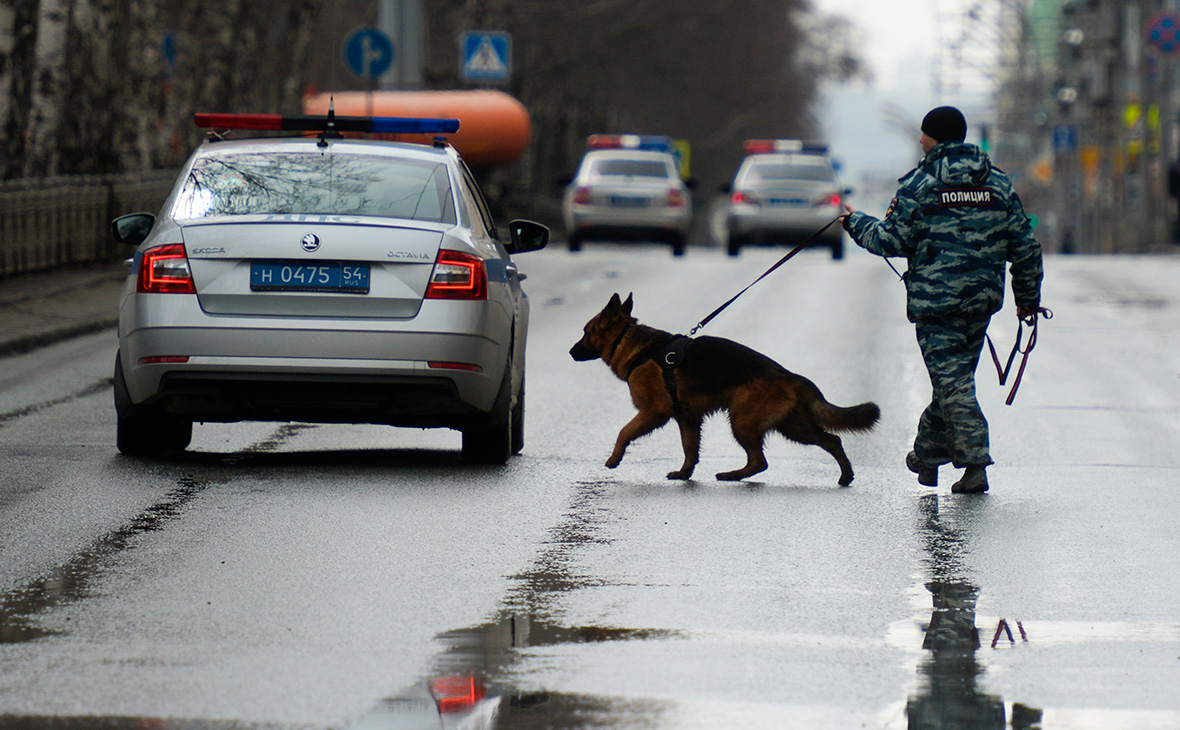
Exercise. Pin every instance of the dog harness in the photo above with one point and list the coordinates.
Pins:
(668, 357)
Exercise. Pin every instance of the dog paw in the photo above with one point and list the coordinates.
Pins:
(845, 480)
(680, 474)
(730, 476)
(612, 462)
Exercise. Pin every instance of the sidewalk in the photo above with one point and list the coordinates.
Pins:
(42, 308)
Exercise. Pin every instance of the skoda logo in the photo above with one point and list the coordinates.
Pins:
(310, 242)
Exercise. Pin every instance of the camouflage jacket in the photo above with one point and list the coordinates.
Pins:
(957, 221)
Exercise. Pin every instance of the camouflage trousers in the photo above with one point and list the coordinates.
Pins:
(952, 429)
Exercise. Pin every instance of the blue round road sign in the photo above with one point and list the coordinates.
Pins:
(368, 52)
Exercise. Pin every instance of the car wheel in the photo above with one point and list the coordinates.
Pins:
(575, 242)
(490, 441)
(838, 249)
(139, 432)
(678, 244)
(518, 420)
(733, 245)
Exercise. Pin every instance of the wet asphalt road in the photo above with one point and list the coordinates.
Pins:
(294, 575)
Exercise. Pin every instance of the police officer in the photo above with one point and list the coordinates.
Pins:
(957, 221)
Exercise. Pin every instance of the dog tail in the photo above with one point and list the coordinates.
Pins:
(853, 418)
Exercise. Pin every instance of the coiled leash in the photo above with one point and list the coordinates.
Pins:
(1032, 342)
(780, 262)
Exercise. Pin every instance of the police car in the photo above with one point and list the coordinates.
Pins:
(628, 187)
(323, 279)
(784, 191)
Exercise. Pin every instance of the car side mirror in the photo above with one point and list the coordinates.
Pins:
(847, 191)
(726, 188)
(526, 236)
(133, 228)
(690, 183)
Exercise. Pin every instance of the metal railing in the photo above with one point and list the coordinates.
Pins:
(60, 221)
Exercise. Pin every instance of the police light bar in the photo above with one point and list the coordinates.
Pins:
(767, 146)
(329, 123)
(654, 142)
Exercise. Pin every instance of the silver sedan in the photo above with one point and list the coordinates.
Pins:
(323, 280)
(630, 194)
(782, 198)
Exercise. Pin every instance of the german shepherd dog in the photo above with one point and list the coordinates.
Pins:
(672, 376)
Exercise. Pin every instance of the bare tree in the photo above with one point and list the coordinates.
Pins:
(7, 48)
(49, 83)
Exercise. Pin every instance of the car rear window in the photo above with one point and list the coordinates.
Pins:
(770, 172)
(631, 168)
(316, 184)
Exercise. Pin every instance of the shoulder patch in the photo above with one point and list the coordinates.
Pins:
(889, 211)
(965, 197)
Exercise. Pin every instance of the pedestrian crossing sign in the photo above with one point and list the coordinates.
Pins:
(487, 56)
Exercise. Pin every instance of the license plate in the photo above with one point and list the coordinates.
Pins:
(628, 201)
(323, 277)
(788, 201)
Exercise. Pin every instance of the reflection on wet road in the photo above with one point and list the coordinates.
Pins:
(950, 695)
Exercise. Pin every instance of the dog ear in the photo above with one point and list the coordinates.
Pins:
(628, 304)
(614, 302)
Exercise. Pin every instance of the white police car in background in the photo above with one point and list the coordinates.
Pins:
(323, 280)
(784, 191)
(628, 187)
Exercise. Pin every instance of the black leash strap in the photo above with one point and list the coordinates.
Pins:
(1004, 370)
(766, 273)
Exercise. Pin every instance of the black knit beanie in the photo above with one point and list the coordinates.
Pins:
(945, 124)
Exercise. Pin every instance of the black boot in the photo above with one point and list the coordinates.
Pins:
(974, 481)
(927, 475)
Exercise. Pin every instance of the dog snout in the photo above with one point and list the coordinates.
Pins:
(582, 352)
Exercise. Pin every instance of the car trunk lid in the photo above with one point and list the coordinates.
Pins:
(311, 266)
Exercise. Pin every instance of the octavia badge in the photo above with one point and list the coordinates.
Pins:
(310, 242)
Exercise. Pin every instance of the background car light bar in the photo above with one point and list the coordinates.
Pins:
(319, 123)
(629, 141)
(765, 146)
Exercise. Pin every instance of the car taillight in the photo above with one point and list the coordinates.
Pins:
(164, 270)
(675, 198)
(456, 694)
(582, 196)
(458, 275)
(833, 199)
(743, 199)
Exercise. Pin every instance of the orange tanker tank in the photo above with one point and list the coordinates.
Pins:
(494, 127)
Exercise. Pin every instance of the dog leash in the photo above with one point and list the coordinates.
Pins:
(766, 273)
(1032, 342)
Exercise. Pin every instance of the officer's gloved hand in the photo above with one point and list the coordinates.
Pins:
(1027, 312)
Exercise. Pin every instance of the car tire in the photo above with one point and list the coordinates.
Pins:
(678, 244)
(140, 432)
(490, 440)
(575, 242)
(733, 245)
(838, 249)
(518, 420)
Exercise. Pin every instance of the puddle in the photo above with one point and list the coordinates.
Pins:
(470, 686)
(72, 581)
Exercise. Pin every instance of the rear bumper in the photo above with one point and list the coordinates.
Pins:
(434, 370)
(622, 221)
(762, 225)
